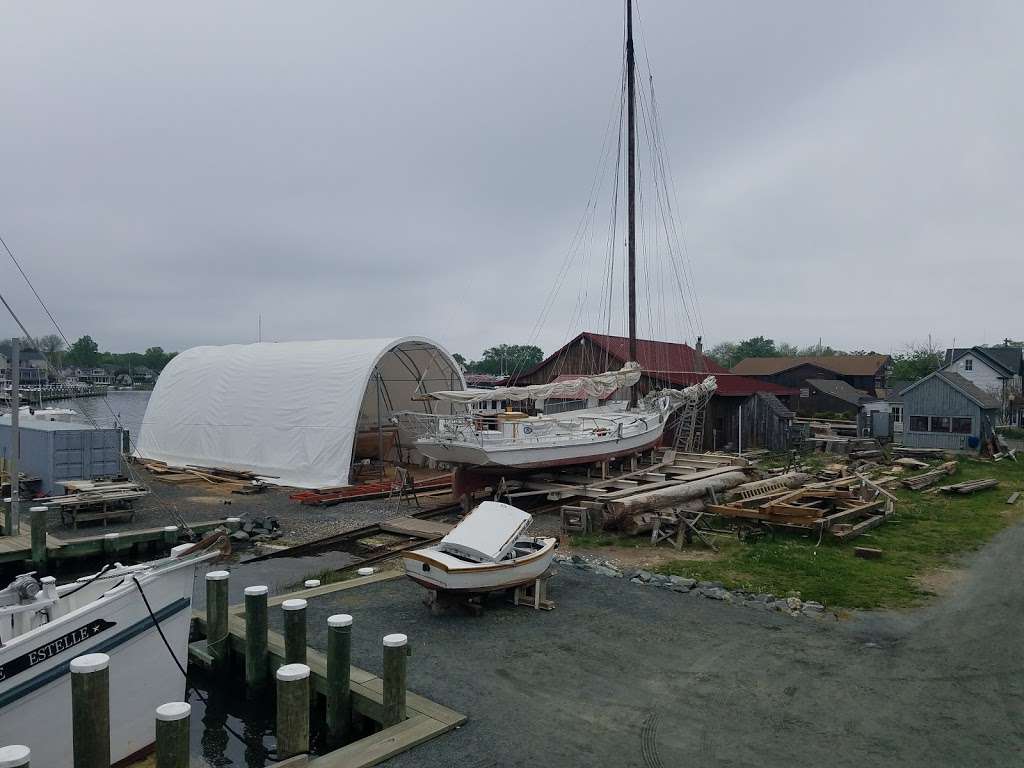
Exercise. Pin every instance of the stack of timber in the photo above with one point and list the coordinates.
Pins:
(853, 447)
(237, 481)
(328, 497)
(844, 509)
(922, 453)
(919, 482)
(970, 486)
(630, 501)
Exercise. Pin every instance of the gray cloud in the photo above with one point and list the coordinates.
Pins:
(169, 171)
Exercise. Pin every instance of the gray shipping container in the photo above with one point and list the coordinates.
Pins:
(56, 451)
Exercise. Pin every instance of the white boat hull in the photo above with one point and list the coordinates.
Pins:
(35, 687)
(525, 453)
(427, 568)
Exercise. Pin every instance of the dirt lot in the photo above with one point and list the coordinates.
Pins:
(626, 675)
(204, 501)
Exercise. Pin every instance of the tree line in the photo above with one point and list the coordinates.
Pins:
(85, 353)
(502, 360)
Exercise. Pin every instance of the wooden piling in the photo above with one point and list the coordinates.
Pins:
(110, 543)
(311, 583)
(294, 631)
(339, 692)
(255, 637)
(292, 710)
(396, 650)
(38, 536)
(170, 535)
(90, 710)
(15, 756)
(217, 644)
(172, 735)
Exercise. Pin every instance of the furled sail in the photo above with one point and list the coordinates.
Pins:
(673, 398)
(599, 385)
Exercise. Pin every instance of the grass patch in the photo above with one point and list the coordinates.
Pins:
(929, 531)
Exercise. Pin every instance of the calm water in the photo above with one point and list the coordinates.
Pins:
(125, 408)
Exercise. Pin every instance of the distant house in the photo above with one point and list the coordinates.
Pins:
(945, 410)
(32, 365)
(863, 372)
(995, 370)
(670, 364)
(831, 396)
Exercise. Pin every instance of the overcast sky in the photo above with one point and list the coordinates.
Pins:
(171, 170)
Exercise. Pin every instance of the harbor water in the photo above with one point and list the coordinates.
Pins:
(123, 408)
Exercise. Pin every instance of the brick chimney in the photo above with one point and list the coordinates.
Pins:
(698, 358)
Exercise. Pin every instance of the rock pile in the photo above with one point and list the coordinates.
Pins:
(711, 590)
(257, 529)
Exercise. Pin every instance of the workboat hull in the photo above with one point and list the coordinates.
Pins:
(35, 681)
(432, 569)
(529, 454)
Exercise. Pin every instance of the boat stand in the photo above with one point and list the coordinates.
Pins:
(441, 602)
(535, 594)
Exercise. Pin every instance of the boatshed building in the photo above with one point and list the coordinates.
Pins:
(296, 413)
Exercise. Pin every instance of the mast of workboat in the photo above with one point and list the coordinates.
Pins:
(631, 176)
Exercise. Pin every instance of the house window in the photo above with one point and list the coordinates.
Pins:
(962, 425)
(918, 423)
(805, 392)
(968, 364)
(940, 424)
(897, 414)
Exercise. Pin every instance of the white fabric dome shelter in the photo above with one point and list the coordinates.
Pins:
(289, 411)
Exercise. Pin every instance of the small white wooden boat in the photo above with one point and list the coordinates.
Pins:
(486, 552)
(44, 626)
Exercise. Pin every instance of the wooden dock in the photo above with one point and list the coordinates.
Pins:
(18, 548)
(426, 719)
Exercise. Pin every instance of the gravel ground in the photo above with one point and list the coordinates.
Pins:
(626, 675)
(196, 502)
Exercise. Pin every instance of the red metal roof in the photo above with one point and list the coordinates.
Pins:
(674, 363)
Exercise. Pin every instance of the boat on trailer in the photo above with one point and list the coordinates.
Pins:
(138, 615)
(488, 551)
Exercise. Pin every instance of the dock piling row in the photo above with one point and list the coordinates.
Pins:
(38, 536)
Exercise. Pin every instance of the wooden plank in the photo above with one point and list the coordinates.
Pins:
(412, 526)
(382, 745)
(615, 495)
(861, 527)
(867, 553)
(1013, 497)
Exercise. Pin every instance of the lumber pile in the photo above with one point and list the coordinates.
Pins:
(921, 453)
(922, 481)
(844, 508)
(237, 481)
(970, 486)
(328, 497)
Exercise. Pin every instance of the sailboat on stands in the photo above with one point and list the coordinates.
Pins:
(513, 440)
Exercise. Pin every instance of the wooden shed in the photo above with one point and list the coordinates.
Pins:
(945, 410)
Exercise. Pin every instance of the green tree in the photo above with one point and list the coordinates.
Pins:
(724, 353)
(52, 346)
(84, 352)
(460, 360)
(820, 350)
(506, 358)
(756, 346)
(916, 362)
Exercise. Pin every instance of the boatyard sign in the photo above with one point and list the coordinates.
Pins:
(53, 648)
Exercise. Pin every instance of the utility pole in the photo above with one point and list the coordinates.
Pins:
(13, 524)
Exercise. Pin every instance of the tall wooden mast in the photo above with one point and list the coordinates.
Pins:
(631, 243)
